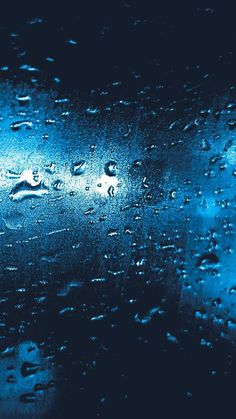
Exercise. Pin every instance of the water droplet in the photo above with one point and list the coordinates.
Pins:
(28, 398)
(29, 186)
(23, 99)
(16, 126)
(14, 220)
(58, 185)
(231, 124)
(147, 318)
(79, 167)
(112, 232)
(28, 368)
(111, 191)
(204, 145)
(207, 261)
(51, 168)
(111, 168)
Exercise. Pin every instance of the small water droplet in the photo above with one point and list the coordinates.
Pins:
(16, 126)
(23, 99)
(79, 167)
(28, 368)
(28, 398)
(207, 261)
(111, 168)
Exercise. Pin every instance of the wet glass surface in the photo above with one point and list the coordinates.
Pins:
(117, 210)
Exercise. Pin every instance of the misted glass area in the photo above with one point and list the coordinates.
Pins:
(117, 210)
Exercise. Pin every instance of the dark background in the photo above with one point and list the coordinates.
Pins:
(161, 41)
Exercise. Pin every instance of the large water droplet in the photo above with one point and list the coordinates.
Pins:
(29, 186)
(14, 220)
